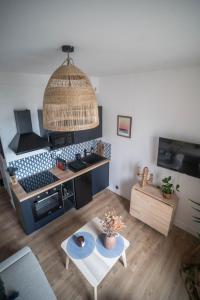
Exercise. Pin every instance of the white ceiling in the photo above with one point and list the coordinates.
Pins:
(110, 36)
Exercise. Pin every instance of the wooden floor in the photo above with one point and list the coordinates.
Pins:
(153, 260)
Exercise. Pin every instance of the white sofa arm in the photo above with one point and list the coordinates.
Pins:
(14, 258)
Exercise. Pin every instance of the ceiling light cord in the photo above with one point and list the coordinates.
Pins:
(68, 60)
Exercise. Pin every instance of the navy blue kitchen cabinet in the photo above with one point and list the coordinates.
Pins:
(89, 134)
(25, 214)
(100, 178)
(39, 210)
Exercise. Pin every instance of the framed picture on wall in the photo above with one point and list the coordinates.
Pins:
(124, 124)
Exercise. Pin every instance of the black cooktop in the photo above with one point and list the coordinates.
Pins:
(37, 181)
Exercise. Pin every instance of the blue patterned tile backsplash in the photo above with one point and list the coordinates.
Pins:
(32, 164)
(40, 162)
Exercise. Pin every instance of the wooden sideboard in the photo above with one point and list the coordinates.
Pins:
(149, 206)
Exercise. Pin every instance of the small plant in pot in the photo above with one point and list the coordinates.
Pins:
(111, 225)
(168, 188)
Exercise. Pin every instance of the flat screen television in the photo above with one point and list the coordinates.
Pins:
(179, 156)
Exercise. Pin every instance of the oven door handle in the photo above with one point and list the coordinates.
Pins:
(43, 199)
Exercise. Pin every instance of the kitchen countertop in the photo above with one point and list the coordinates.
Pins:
(63, 176)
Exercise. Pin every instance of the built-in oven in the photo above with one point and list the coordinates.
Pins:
(46, 203)
(60, 139)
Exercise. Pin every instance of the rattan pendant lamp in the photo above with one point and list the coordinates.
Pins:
(69, 102)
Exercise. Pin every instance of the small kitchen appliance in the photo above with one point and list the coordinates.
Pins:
(61, 164)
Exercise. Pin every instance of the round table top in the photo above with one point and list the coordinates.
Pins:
(110, 253)
(78, 252)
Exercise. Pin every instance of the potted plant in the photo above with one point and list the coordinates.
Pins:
(168, 188)
(111, 225)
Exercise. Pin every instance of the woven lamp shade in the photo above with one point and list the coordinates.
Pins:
(69, 101)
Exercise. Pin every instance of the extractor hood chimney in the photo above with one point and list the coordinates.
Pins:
(25, 139)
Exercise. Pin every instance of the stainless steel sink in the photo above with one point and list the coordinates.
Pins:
(85, 162)
(77, 165)
(93, 159)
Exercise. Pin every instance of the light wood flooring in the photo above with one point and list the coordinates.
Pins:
(153, 260)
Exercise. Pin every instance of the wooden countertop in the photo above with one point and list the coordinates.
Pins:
(63, 176)
(156, 193)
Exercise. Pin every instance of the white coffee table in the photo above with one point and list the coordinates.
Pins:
(95, 266)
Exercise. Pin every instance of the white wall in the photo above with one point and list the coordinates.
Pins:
(21, 91)
(162, 103)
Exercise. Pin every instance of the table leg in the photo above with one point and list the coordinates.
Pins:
(95, 293)
(67, 262)
(124, 259)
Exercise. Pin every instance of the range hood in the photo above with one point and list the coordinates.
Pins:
(25, 139)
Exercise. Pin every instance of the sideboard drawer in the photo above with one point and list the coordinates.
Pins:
(151, 211)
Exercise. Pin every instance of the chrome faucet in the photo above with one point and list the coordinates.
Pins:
(88, 152)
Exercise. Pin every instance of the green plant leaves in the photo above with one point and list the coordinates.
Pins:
(198, 203)
(165, 180)
(196, 209)
(195, 218)
(168, 187)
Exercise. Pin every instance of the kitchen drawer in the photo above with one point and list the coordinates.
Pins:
(151, 211)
